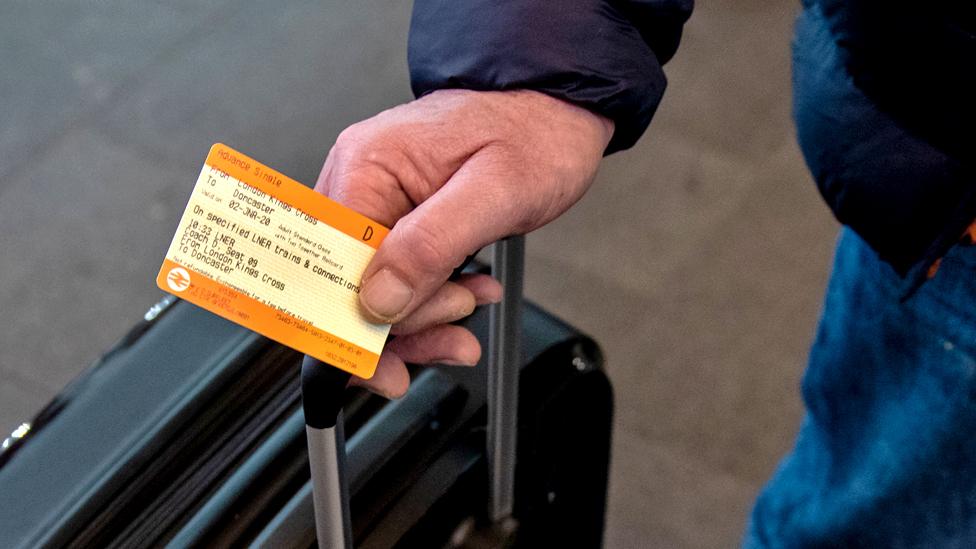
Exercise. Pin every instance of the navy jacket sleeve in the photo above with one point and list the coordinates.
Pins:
(604, 55)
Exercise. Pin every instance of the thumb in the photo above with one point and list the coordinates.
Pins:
(427, 244)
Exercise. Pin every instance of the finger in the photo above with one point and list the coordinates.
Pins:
(391, 379)
(366, 187)
(472, 210)
(451, 302)
(486, 288)
(444, 344)
(382, 167)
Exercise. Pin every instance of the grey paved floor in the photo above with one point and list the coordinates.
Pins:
(697, 260)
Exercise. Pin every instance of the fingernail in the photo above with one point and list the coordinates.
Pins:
(386, 295)
(491, 295)
(364, 384)
(489, 300)
(455, 362)
(381, 393)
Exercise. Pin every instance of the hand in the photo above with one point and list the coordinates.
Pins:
(451, 173)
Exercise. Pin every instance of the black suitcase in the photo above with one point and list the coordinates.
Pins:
(189, 433)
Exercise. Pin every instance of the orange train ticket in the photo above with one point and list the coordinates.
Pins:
(266, 252)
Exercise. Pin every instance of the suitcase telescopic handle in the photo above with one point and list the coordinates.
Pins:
(504, 360)
(323, 387)
(322, 390)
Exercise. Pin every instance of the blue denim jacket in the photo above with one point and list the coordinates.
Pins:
(886, 455)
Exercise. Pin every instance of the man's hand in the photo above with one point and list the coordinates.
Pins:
(451, 173)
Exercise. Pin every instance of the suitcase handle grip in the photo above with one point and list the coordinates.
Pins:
(322, 390)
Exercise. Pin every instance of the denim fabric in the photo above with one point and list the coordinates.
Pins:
(886, 455)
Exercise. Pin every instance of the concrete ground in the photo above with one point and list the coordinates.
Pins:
(697, 260)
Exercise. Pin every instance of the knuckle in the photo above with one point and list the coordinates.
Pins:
(431, 251)
(350, 140)
(363, 146)
(353, 198)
